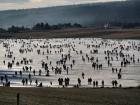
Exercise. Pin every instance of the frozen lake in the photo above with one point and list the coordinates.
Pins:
(37, 50)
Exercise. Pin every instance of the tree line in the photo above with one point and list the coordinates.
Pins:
(39, 27)
(45, 26)
(124, 25)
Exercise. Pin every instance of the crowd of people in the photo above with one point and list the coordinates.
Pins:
(39, 60)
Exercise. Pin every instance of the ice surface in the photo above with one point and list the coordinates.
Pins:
(130, 73)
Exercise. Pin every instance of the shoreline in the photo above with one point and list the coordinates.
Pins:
(115, 33)
(27, 87)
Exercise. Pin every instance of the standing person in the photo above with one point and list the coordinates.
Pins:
(102, 83)
(4, 62)
(113, 83)
(20, 73)
(23, 82)
(36, 82)
(66, 84)
(89, 81)
(79, 81)
(96, 83)
(50, 83)
(26, 80)
(1, 78)
(116, 83)
(68, 80)
(39, 72)
(93, 83)
(59, 80)
(30, 81)
(83, 75)
(73, 61)
(34, 72)
(29, 76)
(30, 68)
(71, 66)
(119, 76)
(67, 70)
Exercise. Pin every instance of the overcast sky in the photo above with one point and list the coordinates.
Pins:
(23, 4)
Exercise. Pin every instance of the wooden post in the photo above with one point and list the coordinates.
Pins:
(18, 96)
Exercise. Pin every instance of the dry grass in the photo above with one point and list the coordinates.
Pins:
(55, 96)
(79, 33)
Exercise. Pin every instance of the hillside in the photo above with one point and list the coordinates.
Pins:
(85, 14)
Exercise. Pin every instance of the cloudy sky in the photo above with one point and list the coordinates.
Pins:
(23, 4)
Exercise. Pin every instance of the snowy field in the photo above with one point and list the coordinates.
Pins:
(37, 50)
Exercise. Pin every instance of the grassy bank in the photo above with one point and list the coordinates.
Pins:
(78, 33)
(54, 96)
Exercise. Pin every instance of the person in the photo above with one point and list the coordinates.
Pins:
(7, 84)
(115, 83)
(71, 66)
(79, 81)
(102, 83)
(29, 76)
(93, 83)
(112, 70)
(34, 72)
(73, 61)
(66, 82)
(67, 70)
(23, 82)
(83, 75)
(40, 85)
(120, 86)
(96, 83)
(89, 81)
(30, 81)
(36, 82)
(59, 81)
(50, 83)
(4, 62)
(26, 80)
(39, 72)
(48, 73)
(30, 68)
(119, 76)
(20, 73)
(1, 78)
